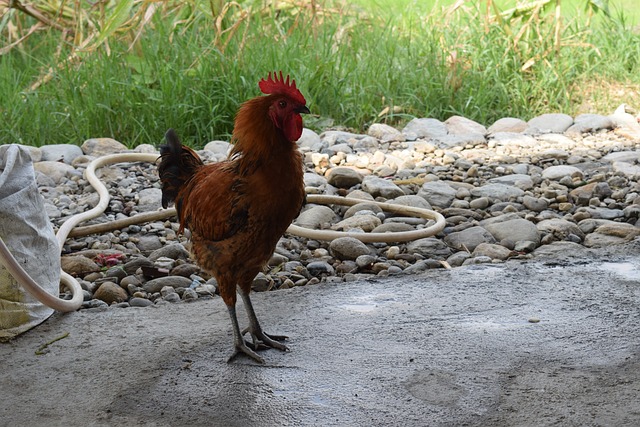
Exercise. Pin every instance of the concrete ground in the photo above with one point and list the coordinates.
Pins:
(525, 343)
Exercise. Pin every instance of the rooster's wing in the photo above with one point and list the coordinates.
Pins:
(216, 208)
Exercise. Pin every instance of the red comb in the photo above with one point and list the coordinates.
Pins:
(281, 86)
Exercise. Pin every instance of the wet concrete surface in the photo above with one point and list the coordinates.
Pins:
(524, 343)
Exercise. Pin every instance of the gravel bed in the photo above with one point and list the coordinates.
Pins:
(517, 189)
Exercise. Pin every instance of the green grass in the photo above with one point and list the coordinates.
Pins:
(631, 8)
(350, 66)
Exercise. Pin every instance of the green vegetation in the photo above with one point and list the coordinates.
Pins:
(130, 69)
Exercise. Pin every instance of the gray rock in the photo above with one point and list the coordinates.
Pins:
(624, 120)
(385, 133)
(602, 190)
(469, 238)
(363, 222)
(423, 146)
(360, 195)
(480, 203)
(115, 175)
(508, 124)
(501, 192)
(117, 272)
(320, 269)
(109, 292)
(139, 302)
(365, 261)
(133, 265)
(364, 206)
(314, 180)
(384, 171)
(156, 285)
(60, 153)
(173, 251)
(129, 280)
(492, 251)
(523, 182)
(585, 123)
(424, 128)
(419, 267)
(557, 250)
(206, 290)
(332, 137)
(98, 147)
(77, 265)
(458, 258)
(221, 148)
(622, 156)
(560, 228)
(172, 297)
(450, 141)
(611, 233)
(514, 230)
(457, 125)
(146, 148)
(189, 295)
(535, 204)
(311, 140)
(381, 187)
(550, 123)
(392, 227)
(480, 259)
(347, 248)
(315, 216)
(411, 200)
(437, 193)
(365, 144)
(554, 153)
(558, 140)
(338, 148)
(513, 139)
(628, 169)
(618, 229)
(429, 247)
(149, 199)
(167, 290)
(558, 172)
(164, 263)
(602, 213)
(343, 177)
(57, 171)
(148, 243)
(525, 246)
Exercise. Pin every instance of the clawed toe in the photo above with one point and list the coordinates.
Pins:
(262, 340)
(241, 348)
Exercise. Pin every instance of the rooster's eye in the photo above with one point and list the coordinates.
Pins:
(282, 104)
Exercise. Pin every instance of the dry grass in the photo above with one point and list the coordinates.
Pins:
(604, 95)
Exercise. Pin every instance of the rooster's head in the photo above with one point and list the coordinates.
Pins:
(286, 106)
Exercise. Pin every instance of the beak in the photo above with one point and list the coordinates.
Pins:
(302, 110)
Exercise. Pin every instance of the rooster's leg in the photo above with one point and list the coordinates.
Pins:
(260, 338)
(240, 346)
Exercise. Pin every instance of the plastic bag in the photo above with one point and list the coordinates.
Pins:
(27, 232)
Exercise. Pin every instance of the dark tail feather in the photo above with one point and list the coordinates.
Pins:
(177, 165)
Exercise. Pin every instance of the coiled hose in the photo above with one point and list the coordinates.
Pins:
(68, 229)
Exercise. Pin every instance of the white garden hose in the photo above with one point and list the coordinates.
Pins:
(22, 277)
(68, 228)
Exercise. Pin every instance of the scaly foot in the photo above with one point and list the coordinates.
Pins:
(262, 340)
(241, 348)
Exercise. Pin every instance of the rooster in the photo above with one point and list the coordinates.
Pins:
(238, 209)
